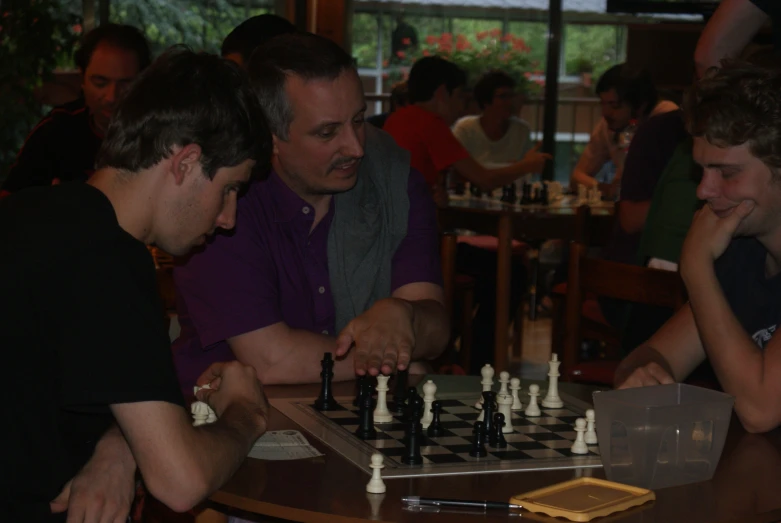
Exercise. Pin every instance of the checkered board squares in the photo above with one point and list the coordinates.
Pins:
(536, 443)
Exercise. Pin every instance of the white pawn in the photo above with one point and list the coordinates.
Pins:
(429, 396)
(580, 447)
(533, 409)
(505, 402)
(591, 434)
(504, 380)
(376, 485)
(552, 399)
(381, 412)
(487, 372)
(515, 386)
(212, 417)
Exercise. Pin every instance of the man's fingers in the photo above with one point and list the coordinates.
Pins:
(536, 146)
(344, 342)
(204, 395)
(547, 156)
(659, 374)
(60, 503)
(215, 370)
(744, 209)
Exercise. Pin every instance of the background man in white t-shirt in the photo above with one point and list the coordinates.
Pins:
(497, 135)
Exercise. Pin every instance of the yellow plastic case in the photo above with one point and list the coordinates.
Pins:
(583, 499)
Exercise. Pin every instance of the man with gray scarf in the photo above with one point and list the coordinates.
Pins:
(337, 251)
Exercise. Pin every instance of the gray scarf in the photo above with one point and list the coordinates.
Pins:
(369, 223)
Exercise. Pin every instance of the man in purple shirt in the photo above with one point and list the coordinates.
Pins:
(264, 294)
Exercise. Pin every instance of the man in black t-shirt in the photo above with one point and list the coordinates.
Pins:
(92, 392)
(63, 146)
(731, 258)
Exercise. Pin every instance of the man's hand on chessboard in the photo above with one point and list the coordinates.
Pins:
(382, 338)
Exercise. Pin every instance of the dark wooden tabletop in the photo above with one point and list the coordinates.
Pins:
(746, 487)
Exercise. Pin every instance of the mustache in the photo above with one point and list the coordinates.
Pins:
(341, 162)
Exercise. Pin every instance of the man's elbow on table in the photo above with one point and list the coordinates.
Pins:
(757, 418)
(179, 490)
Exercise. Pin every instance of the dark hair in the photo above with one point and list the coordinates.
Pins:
(399, 96)
(428, 73)
(486, 87)
(254, 32)
(633, 86)
(122, 36)
(736, 104)
(187, 98)
(305, 55)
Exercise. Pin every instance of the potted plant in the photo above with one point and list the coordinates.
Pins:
(585, 68)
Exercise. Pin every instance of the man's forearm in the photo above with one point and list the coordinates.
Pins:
(737, 361)
(580, 177)
(641, 357)
(113, 445)
(432, 329)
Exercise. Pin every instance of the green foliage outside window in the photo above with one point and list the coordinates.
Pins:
(200, 25)
(35, 38)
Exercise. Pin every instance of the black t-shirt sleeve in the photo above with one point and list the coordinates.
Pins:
(771, 7)
(649, 153)
(35, 163)
(114, 346)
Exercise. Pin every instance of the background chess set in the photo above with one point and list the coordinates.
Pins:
(536, 443)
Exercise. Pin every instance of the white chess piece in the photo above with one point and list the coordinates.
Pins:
(552, 399)
(504, 381)
(381, 412)
(515, 386)
(429, 396)
(211, 416)
(376, 485)
(533, 410)
(580, 447)
(591, 434)
(487, 372)
(505, 402)
(200, 412)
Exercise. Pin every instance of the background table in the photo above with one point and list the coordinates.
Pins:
(746, 487)
(534, 223)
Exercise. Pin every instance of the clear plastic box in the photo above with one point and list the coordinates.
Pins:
(662, 436)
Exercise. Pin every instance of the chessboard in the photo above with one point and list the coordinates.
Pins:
(536, 443)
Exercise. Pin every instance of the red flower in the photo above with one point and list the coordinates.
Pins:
(77, 28)
(385, 63)
(446, 38)
(426, 52)
(507, 38)
(527, 75)
(401, 54)
(406, 41)
(496, 32)
(431, 39)
(482, 36)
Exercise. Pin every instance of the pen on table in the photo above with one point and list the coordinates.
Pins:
(417, 500)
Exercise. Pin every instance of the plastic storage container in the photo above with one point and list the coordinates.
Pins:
(662, 436)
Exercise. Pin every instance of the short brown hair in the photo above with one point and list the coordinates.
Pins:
(739, 103)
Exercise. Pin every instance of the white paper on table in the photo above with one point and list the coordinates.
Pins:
(283, 445)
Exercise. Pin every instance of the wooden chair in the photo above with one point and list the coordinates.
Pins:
(613, 280)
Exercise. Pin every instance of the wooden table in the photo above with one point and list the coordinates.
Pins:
(519, 222)
(330, 489)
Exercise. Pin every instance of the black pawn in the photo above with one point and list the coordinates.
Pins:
(478, 441)
(412, 440)
(399, 393)
(526, 193)
(436, 430)
(545, 196)
(359, 383)
(325, 401)
(511, 196)
(366, 428)
(414, 404)
(497, 436)
(489, 408)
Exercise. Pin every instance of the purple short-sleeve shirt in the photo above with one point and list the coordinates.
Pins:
(271, 269)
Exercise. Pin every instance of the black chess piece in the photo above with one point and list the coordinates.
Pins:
(414, 405)
(496, 438)
(399, 403)
(326, 401)
(412, 440)
(512, 195)
(544, 195)
(489, 408)
(478, 441)
(526, 193)
(366, 428)
(506, 193)
(537, 198)
(475, 190)
(359, 383)
(436, 430)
